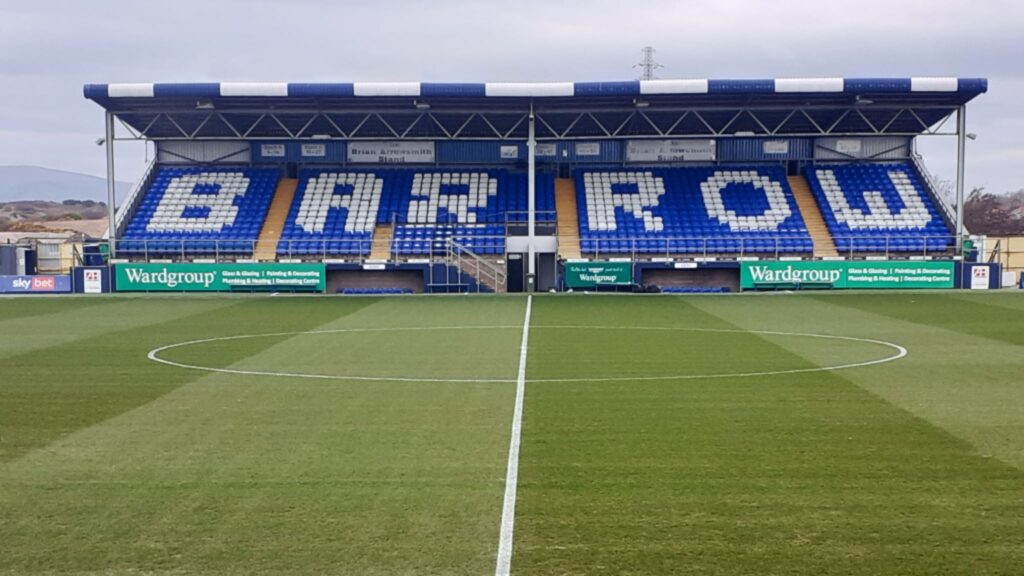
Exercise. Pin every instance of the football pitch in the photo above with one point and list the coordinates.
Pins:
(856, 433)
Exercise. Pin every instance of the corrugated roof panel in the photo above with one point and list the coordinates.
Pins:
(530, 89)
(265, 89)
(858, 85)
(453, 90)
(761, 86)
(137, 90)
(934, 85)
(693, 86)
(809, 85)
(203, 90)
(387, 89)
(335, 90)
(607, 88)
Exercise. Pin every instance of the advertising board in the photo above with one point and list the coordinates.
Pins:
(592, 274)
(846, 274)
(34, 284)
(218, 277)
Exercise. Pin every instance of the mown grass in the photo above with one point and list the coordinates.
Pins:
(111, 464)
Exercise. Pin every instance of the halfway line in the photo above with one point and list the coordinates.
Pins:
(508, 509)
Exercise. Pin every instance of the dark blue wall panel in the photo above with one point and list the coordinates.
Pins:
(334, 152)
(753, 150)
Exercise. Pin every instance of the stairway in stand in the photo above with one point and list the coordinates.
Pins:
(824, 246)
(381, 247)
(567, 219)
(270, 234)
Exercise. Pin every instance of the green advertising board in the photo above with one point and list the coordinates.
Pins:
(591, 274)
(218, 277)
(847, 274)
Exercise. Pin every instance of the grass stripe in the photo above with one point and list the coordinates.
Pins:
(27, 306)
(796, 474)
(984, 316)
(51, 392)
(238, 475)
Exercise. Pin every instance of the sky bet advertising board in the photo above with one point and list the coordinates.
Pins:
(35, 284)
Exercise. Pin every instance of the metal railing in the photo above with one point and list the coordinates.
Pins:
(468, 262)
(947, 207)
(349, 249)
(439, 248)
(185, 250)
(517, 223)
(726, 247)
(130, 204)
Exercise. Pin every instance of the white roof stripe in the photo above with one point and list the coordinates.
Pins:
(934, 84)
(130, 90)
(386, 88)
(807, 85)
(693, 86)
(254, 89)
(529, 89)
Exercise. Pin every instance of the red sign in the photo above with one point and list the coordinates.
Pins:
(44, 284)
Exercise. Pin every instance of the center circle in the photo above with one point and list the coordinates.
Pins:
(570, 353)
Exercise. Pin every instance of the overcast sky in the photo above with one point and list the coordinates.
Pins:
(50, 48)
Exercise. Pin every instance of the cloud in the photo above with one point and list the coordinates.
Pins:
(49, 49)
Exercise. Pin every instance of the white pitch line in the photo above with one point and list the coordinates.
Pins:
(508, 510)
(154, 356)
(901, 352)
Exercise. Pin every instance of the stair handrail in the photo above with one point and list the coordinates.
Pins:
(949, 209)
(392, 246)
(456, 251)
(131, 202)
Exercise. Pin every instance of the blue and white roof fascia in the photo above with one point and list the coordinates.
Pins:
(539, 89)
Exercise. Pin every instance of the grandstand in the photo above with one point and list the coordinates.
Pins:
(506, 180)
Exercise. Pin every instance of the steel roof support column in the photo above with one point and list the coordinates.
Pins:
(531, 191)
(961, 141)
(111, 193)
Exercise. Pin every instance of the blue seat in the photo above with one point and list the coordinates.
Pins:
(909, 221)
(185, 211)
(671, 210)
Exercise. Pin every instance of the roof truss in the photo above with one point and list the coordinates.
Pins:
(561, 124)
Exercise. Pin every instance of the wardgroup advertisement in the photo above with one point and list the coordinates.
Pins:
(591, 274)
(844, 274)
(218, 277)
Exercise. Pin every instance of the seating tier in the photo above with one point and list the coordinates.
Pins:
(335, 210)
(878, 208)
(691, 210)
(200, 210)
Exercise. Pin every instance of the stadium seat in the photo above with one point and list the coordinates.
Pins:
(335, 211)
(878, 208)
(700, 210)
(200, 211)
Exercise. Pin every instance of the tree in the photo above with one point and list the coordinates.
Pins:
(987, 213)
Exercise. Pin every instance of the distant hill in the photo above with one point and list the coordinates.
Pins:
(38, 183)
